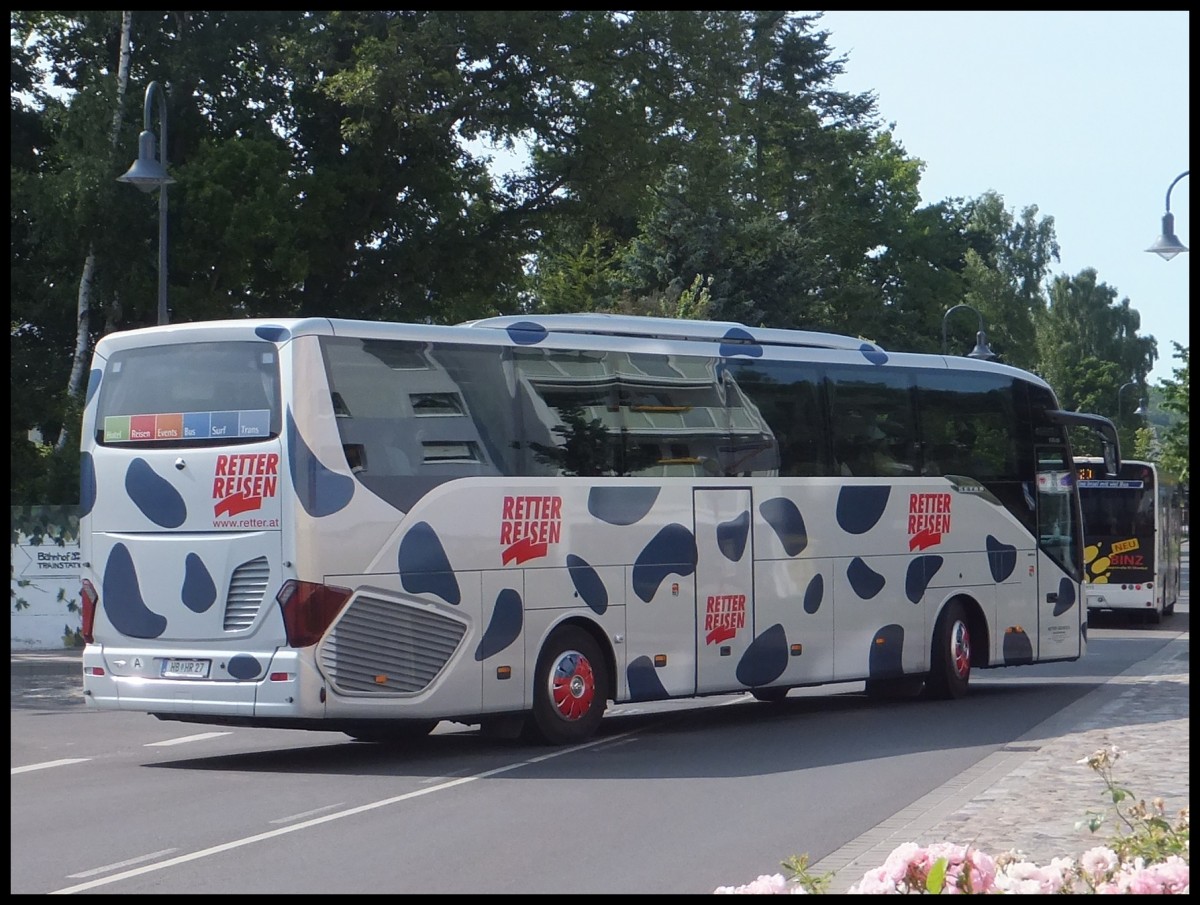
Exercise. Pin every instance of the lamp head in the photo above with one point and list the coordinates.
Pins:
(146, 173)
(1167, 245)
(982, 350)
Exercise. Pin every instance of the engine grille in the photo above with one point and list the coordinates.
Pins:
(247, 588)
(385, 647)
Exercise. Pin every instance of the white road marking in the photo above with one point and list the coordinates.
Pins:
(328, 807)
(50, 763)
(623, 741)
(621, 738)
(203, 736)
(317, 821)
(120, 864)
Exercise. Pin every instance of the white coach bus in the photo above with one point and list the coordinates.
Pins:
(373, 527)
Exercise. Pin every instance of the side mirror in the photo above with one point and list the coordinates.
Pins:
(1112, 458)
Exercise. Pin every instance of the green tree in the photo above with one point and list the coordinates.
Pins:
(571, 277)
(1005, 272)
(722, 122)
(1175, 443)
(1088, 344)
(338, 163)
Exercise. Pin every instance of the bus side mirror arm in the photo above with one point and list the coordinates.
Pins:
(1103, 427)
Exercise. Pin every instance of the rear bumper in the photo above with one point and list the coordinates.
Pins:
(1145, 600)
(285, 686)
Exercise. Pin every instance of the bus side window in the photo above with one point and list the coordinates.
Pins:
(788, 397)
(846, 459)
(872, 422)
(1144, 517)
(939, 459)
(966, 423)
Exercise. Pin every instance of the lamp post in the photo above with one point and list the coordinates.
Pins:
(1168, 245)
(149, 172)
(1140, 411)
(982, 350)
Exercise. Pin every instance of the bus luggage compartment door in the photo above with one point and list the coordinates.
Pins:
(724, 586)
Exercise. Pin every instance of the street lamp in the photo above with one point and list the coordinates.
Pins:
(148, 173)
(1140, 411)
(1168, 245)
(982, 350)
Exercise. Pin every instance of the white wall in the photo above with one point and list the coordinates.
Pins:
(44, 599)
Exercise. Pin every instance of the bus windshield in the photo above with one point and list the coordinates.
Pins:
(1119, 519)
(1118, 506)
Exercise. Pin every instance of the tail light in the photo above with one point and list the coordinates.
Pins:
(309, 609)
(91, 600)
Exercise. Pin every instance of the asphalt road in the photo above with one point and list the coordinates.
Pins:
(667, 799)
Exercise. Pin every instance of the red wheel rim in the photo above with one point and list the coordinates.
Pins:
(573, 686)
(960, 650)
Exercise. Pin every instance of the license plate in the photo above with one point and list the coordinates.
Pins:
(185, 669)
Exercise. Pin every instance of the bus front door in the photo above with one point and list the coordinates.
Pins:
(1061, 611)
(724, 586)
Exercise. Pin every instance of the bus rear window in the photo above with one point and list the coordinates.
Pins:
(190, 394)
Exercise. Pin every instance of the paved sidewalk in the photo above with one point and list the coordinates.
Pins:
(1033, 795)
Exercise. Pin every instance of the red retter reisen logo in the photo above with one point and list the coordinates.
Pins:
(724, 614)
(528, 525)
(242, 481)
(928, 519)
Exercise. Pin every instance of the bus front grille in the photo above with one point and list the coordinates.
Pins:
(384, 647)
(246, 590)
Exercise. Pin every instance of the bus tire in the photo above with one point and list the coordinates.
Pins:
(950, 659)
(1154, 616)
(391, 732)
(570, 689)
(772, 695)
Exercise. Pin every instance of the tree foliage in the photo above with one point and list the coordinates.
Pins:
(1175, 443)
(1085, 320)
(446, 165)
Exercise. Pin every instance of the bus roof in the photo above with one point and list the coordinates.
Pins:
(673, 328)
(731, 337)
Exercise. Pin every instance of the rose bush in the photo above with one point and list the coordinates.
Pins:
(1148, 855)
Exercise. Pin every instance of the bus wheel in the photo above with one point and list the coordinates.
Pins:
(1154, 617)
(950, 664)
(570, 689)
(391, 732)
(770, 695)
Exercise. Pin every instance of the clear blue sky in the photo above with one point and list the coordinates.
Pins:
(1083, 114)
